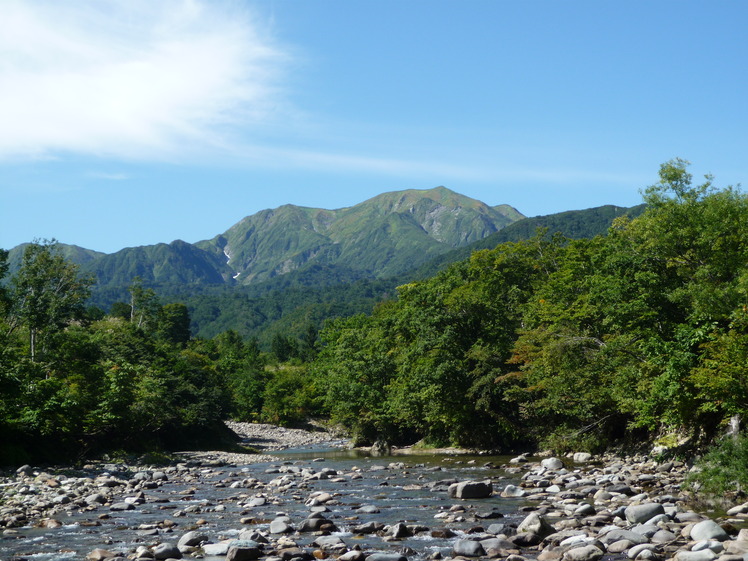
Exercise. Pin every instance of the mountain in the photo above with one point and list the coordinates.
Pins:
(381, 237)
(73, 253)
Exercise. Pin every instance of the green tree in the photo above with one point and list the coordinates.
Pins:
(48, 293)
(174, 324)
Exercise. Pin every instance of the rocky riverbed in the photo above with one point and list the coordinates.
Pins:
(363, 509)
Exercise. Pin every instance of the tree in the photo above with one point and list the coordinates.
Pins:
(48, 293)
(174, 323)
(144, 305)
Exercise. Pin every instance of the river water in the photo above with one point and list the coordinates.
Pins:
(400, 488)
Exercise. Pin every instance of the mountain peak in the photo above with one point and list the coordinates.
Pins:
(384, 235)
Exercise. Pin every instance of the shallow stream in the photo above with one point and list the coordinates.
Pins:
(399, 487)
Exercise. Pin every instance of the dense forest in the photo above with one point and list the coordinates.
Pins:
(548, 341)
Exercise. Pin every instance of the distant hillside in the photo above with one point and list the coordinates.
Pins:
(574, 224)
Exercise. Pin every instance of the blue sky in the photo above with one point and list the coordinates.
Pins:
(136, 122)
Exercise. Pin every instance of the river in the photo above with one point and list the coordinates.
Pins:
(215, 501)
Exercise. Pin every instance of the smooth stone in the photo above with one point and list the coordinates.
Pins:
(470, 490)
(552, 463)
(216, 549)
(708, 530)
(663, 536)
(619, 534)
(281, 525)
(638, 514)
(536, 524)
(513, 491)
(620, 546)
(637, 550)
(526, 539)
(581, 457)
(192, 538)
(468, 548)
(703, 555)
(714, 545)
(166, 551)
(122, 506)
(329, 542)
(353, 555)
(386, 557)
(585, 510)
(99, 554)
(584, 553)
(238, 553)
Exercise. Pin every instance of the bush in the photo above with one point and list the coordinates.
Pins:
(723, 469)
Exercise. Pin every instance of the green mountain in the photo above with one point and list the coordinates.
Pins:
(382, 237)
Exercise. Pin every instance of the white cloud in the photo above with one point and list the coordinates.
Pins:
(131, 78)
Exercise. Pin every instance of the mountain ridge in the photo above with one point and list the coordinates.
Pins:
(380, 237)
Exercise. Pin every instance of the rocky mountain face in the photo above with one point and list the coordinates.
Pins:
(381, 237)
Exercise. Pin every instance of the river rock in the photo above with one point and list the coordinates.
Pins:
(584, 553)
(242, 553)
(166, 551)
(368, 528)
(192, 539)
(121, 506)
(512, 491)
(467, 548)
(708, 530)
(470, 490)
(536, 524)
(638, 514)
(637, 551)
(581, 457)
(217, 549)
(620, 534)
(398, 530)
(703, 555)
(281, 525)
(552, 463)
(496, 547)
(99, 554)
(329, 542)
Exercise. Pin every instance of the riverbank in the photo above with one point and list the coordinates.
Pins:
(550, 509)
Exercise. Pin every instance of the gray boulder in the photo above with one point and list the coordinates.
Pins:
(552, 463)
(468, 548)
(386, 557)
(638, 514)
(470, 490)
(536, 524)
(281, 525)
(708, 530)
(191, 539)
(584, 553)
(703, 555)
(241, 553)
(166, 551)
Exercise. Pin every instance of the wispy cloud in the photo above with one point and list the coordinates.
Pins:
(131, 78)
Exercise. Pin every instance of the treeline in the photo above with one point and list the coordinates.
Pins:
(75, 381)
(566, 343)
